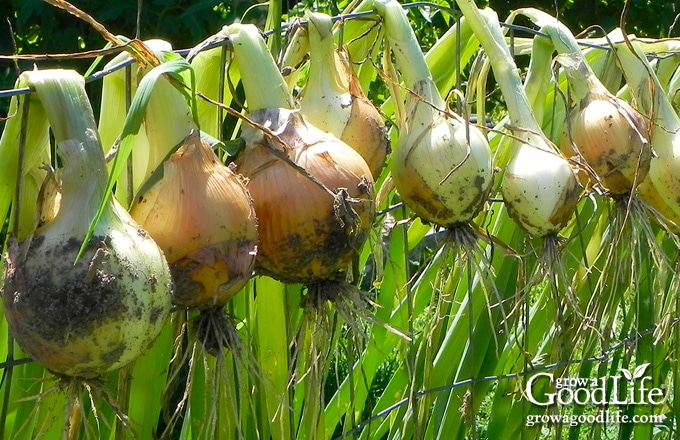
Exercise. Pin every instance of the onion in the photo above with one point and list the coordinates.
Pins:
(661, 189)
(539, 188)
(313, 194)
(311, 222)
(201, 215)
(442, 165)
(334, 101)
(83, 312)
(611, 136)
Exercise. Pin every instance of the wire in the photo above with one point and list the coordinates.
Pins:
(603, 357)
(352, 16)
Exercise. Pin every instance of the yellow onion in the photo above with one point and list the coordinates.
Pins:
(604, 131)
(83, 312)
(201, 214)
(313, 217)
(334, 101)
(313, 194)
(661, 189)
(442, 166)
(314, 200)
(607, 132)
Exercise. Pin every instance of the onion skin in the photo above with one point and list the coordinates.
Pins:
(533, 174)
(303, 236)
(607, 132)
(441, 176)
(94, 316)
(201, 214)
(612, 138)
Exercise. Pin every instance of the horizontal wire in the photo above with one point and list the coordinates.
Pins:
(352, 16)
(606, 354)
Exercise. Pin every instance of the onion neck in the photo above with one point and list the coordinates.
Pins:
(83, 186)
(560, 35)
(407, 52)
(323, 72)
(645, 87)
(262, 81)
(84, 175)
(538, 75)
(582, 80)
(487, 29)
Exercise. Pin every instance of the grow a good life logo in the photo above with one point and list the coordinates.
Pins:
(628, 388)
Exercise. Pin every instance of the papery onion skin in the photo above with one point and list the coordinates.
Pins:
(613, 144)
(303, 237)
(201, 214)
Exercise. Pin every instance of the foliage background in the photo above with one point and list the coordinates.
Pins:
(40, 28)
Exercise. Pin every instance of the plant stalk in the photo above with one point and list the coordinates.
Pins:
(262, 81)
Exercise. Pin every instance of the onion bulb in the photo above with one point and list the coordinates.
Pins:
(201, 215)
(539, 187)
(312, 193)
(314, 208)
(442, 166)
(334, 101)
(661, 189)
(605, 131)
(83, 315)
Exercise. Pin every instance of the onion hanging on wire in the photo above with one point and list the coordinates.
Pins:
(442, 164)
(606, 132)
(333, 100)
(312, 193)
(200, 213)
(539, 186)
(313, 196)
(83, 309)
